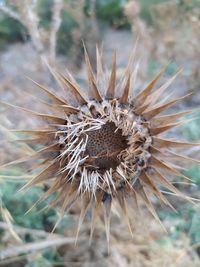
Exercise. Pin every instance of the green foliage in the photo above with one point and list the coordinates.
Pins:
(194, 174)
(183, 5)
(11, 31)
(172, 68)
(154, 67)
(18, 203)
(108, 11)
(189, 5)
(111, 12)
(65, 39)
(44, 11)
(68, 24)
(189, 213)
(146, 6)
(191, 130)
(194, 231)
(46, 259)
(189, 223)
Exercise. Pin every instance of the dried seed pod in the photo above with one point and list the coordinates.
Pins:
(107, 147)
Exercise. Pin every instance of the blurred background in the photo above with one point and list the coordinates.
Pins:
(36, 31)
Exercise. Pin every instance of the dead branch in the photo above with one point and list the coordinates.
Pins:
(8, 11)
(26, 14)
(56, 21)
(35, 246)
(22, 231)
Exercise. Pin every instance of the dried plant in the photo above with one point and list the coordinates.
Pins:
(179, 34)
(106, 145)
(139, 28)
(68, 25)
(25, 12)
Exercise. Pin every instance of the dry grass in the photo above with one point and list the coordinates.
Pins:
(148, 247)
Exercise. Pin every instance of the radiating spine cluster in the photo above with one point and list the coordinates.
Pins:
(107, 146)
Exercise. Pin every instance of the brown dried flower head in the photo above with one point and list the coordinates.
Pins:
(107, 147)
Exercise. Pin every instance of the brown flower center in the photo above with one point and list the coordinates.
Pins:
(104, 146)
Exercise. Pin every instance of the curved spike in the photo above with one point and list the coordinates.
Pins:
(50, 94)
(122, 203)
(149, 114)
(172, 154)
(53, 107)
(128, 69)
(47, 173)
(181, 157)
(124, 98)
(143, 194)
(132, 199)
(85, 204)
(68, 109)
(141, 109)
(152, 98)
(157, 151)
(99, 63)
(73, 88)
(131, 59)
(164, 128)
(15, 162)
(45, 195)
(149, 182)
(166, 167)
(42, 141)
(158, 121)
(96, 210)
(91, 78)
(110, 94)
(39, 132)
(36, 155)
(10, 138)
(107, 202)
(164, 182)
(49, 118)
(67, 194)
(158, 142)
(141, 97)
(48, 149)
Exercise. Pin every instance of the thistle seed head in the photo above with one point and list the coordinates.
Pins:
(107, 147)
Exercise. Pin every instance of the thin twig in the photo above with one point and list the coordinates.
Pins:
(35, 246)
(26, 15)
(56, 21)
(23, 230)
(32, 23)
(8, 11)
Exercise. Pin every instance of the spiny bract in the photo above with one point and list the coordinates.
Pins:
(107, 146)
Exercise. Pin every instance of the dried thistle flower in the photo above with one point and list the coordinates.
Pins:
(107, 147)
